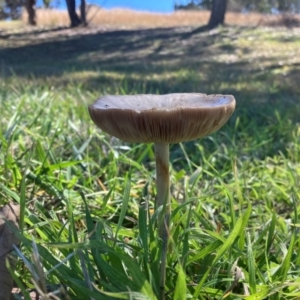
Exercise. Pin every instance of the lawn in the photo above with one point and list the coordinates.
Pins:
(87, 199)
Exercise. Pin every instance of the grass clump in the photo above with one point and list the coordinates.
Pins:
(87, 219)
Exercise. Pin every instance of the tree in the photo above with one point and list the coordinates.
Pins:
(74, 18)
(218, 7)
(83, 12)
(47, 3)
(217, 15)
(30, 7)
(11, 9)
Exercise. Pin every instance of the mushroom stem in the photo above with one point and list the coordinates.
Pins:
(163, 199)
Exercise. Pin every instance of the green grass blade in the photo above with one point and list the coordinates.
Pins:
(282, 272)
(25, 294)
(271, 233)
(143, 230)
(239, 226)
(125, 201)
(22, 203)
(180, 287)
(251, 265)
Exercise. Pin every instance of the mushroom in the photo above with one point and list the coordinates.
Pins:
(162, 120)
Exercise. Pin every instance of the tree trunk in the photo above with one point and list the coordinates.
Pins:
(83, 12)
(30, 4)
(9, 220)
(217, 13)
(74, 19)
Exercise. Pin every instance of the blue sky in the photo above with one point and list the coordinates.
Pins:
(144, 5)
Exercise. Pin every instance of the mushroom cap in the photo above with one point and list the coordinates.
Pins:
(170, 118)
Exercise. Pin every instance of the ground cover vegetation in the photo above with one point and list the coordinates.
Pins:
(87, 220)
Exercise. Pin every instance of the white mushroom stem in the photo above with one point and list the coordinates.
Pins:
(163, 199)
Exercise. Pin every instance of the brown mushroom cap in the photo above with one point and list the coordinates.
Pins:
(170, 118)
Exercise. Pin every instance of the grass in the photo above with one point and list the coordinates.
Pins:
(86, 229)
(10, 24)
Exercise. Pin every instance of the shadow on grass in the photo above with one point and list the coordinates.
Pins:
(169, 59)
(120, 51)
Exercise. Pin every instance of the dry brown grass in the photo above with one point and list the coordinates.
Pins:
(124, 18)
(10, 24)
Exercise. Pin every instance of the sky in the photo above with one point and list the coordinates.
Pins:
(163, 6)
